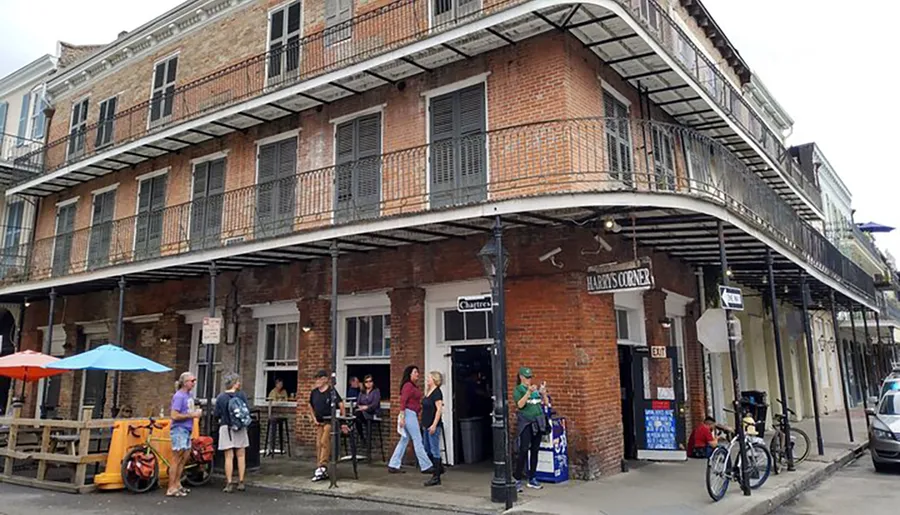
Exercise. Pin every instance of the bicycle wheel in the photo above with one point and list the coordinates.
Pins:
(778, 456)
(716, 474)
(759, 465)
(799, 444)
(197, 474)
(134, 482)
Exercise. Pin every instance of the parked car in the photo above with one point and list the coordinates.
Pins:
(884, 431)
(890, 384)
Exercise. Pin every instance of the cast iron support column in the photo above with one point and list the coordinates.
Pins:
(48, 342)
(120, 337)
(839, 350)
(881, 353)
(811, 362)
(17, 346)
(779, 361)
(335, 427)
(865, 319)
(859, 368)
(502, 487)
(732, 351)
(210, 352)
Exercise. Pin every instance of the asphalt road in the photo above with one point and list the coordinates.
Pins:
(15, 500)
(855, 489)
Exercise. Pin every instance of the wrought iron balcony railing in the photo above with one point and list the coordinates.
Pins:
(865, 241)
(376, 32)
(18, 153)
(890, 309)
(559, 157)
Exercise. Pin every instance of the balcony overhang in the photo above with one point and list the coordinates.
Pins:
(634, 45)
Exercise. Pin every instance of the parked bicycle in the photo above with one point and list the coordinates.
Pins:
(778, 445)
(140, 467)
(724, 464)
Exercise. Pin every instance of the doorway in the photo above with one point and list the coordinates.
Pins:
(472, 403)
(94, 383)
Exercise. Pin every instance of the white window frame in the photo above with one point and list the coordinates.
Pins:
(38, 95)
(284, 37)
(112, 139)
(367, 304)
(94, 195)
(162, 119)
(260, 392)
(83, 101)
(633, 303)
(137, 198)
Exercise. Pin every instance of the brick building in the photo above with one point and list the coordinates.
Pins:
(259, 135)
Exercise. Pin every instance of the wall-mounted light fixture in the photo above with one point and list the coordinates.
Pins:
(307, 327)
(611, 225)
(665, 322)
(165, 339)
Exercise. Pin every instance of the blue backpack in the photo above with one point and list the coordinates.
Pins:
(238, 414)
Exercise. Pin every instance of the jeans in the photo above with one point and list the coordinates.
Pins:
(432, 442)
(181, 438)
(529, 440)
(412, 432)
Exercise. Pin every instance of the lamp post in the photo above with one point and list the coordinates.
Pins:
(496, 260)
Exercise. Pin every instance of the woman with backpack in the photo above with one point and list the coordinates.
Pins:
(233, 413)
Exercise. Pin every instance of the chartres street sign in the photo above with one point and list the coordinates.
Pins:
(475, 303)
(731, 298)
(617, 277)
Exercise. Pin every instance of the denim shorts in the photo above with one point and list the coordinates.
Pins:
(181, 439)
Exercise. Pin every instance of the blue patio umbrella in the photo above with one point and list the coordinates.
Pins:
(109, 357)
(874, 227)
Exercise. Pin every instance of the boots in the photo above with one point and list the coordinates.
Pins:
(436, 474)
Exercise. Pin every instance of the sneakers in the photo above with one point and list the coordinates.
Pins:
(533, 483)
(519, 486)
(320, 474)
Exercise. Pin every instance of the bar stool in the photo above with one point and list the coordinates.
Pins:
(276, 430)
(374, 421)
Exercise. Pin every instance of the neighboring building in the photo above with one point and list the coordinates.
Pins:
(263, 137)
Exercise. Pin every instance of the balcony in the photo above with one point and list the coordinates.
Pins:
(890, 310)
(20, 158)
(865, 241)
(400, 40)
(662, 173)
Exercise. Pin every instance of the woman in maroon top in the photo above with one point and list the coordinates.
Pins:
(408, 422)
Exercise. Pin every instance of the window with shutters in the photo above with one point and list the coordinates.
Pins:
(13, 255)
(38, 119)
(62, 243)
(101, 229)
(284, 43)
(78, 128)
(358, 168)
(618, 140)
(663, 159)
(106, 122)
(162, 98)
(23, 119)
(458, 157)
(337, 21)
(276, 187)
(447, 11)
(206, 203)
(4, 110)
(148, 231)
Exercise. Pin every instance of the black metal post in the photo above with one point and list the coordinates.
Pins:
(779, 361)
(881, 353)
(732, 351)
(859, 368)
(811, 362)
(865, 319)
(839, 350)
(120, 337)
(335, 427)
(48, 343)
(17, 345)
(210, 351)
(502, 487)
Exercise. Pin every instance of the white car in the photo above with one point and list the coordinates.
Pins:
(884, 431)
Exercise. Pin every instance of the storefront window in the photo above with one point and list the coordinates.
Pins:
(280, 361)
(367, 350)
(460, 327)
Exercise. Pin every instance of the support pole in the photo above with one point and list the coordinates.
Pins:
(17, 346)
(48, 342)
(779, 362)
(865, 357)
(120, 337)
(811, 362)
(502, 487)
(335, 427)
(858, 368)
(210, 351)
(881, 353)
(839, 350)
(732, 351)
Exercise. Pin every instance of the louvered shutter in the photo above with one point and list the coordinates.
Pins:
(65, 225)
(287, 183)
(265, 208)
(367, 180)
(215, 196)
(472, 173)
(443, 168)
(143, 219)
(37, 131)
(23, 118)
(4, 110)
(157, 204)
(344, 164)
(101, 127)
(13, 234)
(169, 102)
(331, 20)
(199, 206)
(159, 78)
(101, 229)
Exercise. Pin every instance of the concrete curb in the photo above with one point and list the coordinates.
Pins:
(794, 489)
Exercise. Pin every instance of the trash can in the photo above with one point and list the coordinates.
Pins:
(754, 403)
(252, 453)
(471, 431)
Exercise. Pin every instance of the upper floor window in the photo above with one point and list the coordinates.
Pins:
(444, 11)
(358, 160)
(12, 235)
(284, 42)
(101, 228)
(618, 139)
(162, 100)
(368, 336)
(276, 197)
(105, 125)
(337, 20)
(65, 234)
(78, 128)
(148, 233)
(38, 119)
(458, 167)
(206, 203)
(23, 119)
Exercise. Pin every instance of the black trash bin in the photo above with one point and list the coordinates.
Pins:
(252, 453)
(753, 402)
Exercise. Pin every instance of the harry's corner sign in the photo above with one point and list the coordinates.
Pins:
(616, 277)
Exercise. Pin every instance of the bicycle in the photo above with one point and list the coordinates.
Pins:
(724, 464)
(140, 466)
(799, 441)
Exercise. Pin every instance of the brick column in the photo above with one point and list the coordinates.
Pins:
(313, 353)
(407, 348)
(661, 373)
(695, 368)
(70, 386)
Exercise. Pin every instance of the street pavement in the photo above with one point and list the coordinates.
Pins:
(16, 500)
(855, 489)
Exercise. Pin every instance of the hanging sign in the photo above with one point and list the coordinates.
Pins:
(657, 351)
(212, 331)
(618, 277)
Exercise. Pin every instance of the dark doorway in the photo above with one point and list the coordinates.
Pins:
(472, 404)
(7, 347)
(95, 384)
(626, 383)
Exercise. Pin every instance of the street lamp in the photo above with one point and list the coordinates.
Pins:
(495, 260)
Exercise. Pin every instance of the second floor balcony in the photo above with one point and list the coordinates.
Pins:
(549, 165)
(20, 158)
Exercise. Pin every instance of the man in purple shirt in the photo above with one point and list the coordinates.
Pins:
(183, 416)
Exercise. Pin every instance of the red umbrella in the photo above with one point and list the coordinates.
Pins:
(28, 366)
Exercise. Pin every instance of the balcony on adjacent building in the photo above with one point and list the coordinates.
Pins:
(20, 158)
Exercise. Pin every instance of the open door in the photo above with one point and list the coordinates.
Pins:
(659, 411)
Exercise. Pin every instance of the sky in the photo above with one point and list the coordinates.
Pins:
(831, 68)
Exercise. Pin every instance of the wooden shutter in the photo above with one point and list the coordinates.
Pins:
(159, 78)
(265, 209)
(65, 225)
(169, 102)
(215, 197)
(337, 14)
(23, 117)
(287, 182)
(368, 169)
(292, 56)
(4, 110)
(472, 170)
(151, 202)
(13, 234)
(101, 229)
(199, 205)
(37, 129)
(344, 157)
(458, 171)
(443, 166)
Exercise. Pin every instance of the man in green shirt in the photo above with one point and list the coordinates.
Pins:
(531, 425)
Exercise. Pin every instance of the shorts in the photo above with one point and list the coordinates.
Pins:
(233, 439)
(181, 439)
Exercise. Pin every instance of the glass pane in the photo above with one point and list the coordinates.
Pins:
(201, 381)
(365, 337)
(476, 326)
(387, 335)
(351, 337)
(490, 324)
(270, 342)
(453, 326)
(292, 341)
(377, 335)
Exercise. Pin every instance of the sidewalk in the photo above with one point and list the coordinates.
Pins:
(670, 488)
